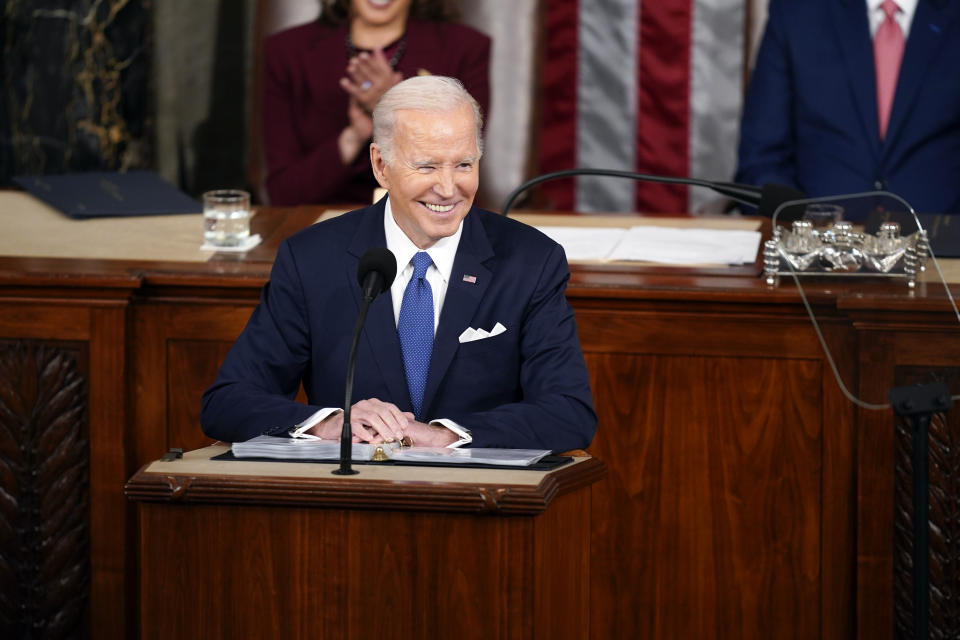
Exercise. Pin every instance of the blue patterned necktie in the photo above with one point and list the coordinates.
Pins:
(415, 328)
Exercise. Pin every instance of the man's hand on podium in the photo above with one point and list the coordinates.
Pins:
(375, 421)
(371, 420)
(429, 435)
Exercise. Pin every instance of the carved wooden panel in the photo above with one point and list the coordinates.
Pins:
(44, 495)
(944, 515)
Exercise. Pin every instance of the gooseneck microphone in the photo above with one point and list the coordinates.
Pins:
(376, 272)
(378, 268)
(767, 198)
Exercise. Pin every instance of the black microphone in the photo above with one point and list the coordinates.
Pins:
(767, 198)
(772, 195)
(378, 268)
(376, 272)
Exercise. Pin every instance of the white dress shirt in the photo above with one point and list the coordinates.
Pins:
(438, 274)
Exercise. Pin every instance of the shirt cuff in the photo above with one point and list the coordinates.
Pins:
(464, 434)
(300, 430)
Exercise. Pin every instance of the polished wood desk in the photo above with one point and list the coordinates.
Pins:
(746, 497)
(291, 551)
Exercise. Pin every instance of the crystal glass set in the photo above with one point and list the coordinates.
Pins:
(839, 249)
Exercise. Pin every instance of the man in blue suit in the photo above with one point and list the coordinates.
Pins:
(475, 344)
(811, 114)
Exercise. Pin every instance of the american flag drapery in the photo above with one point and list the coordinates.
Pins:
(653, 86)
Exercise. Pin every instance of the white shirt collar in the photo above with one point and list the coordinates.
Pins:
(442, 253)
(904, 16)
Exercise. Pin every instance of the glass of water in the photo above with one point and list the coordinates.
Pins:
(226, 217)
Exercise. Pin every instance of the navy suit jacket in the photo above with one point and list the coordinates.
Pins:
(525, 388)
(810, 116)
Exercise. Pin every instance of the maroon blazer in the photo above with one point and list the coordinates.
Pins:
(304, 108)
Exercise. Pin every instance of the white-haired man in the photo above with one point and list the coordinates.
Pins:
(476, 343)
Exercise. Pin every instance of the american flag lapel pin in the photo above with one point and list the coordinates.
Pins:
(470, 279)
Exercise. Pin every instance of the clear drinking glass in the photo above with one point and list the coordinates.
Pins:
(226, 217)
(823, 214)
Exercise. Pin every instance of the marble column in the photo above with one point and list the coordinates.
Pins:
(76, 86)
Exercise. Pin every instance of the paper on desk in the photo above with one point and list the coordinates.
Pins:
(586, 243)
(502, 457)
(282, 448)
(687, 246)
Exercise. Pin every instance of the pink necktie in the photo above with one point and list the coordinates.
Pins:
(887, 53)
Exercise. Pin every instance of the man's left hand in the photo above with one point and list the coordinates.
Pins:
(428, 435)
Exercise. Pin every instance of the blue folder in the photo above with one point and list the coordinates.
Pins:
(99, 194)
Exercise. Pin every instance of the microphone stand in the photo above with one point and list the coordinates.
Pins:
(917, 404)
(741, 193)
(378, 268)
(346, 434)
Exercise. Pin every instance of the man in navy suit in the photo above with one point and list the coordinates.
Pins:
(503, 367)
(811, 114)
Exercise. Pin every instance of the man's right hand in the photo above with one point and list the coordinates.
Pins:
(371, 421)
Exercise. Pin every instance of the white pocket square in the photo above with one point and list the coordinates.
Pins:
(470, 335)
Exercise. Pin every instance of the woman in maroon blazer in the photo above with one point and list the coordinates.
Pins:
(324, 78)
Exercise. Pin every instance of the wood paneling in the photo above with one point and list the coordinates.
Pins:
(180, 346)
(838, 487)
(711, 514)
(400, 576)
(111, 517)
(907, 349)
(695, 333)
(191, 366)
(94, 320)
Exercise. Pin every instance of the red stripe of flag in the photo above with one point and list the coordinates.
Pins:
(663, 99)
(558, 100)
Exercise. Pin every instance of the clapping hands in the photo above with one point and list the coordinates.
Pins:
(369, 76)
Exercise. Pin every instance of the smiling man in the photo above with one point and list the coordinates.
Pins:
(476, 343)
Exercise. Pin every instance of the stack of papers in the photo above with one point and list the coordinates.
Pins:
(283, 448)
(687, 246)
(586, 243)
(445, 455)
(665, 245)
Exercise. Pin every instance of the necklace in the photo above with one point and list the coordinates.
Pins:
(394, 59)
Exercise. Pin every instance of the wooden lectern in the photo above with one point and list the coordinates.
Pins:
(283, 549)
